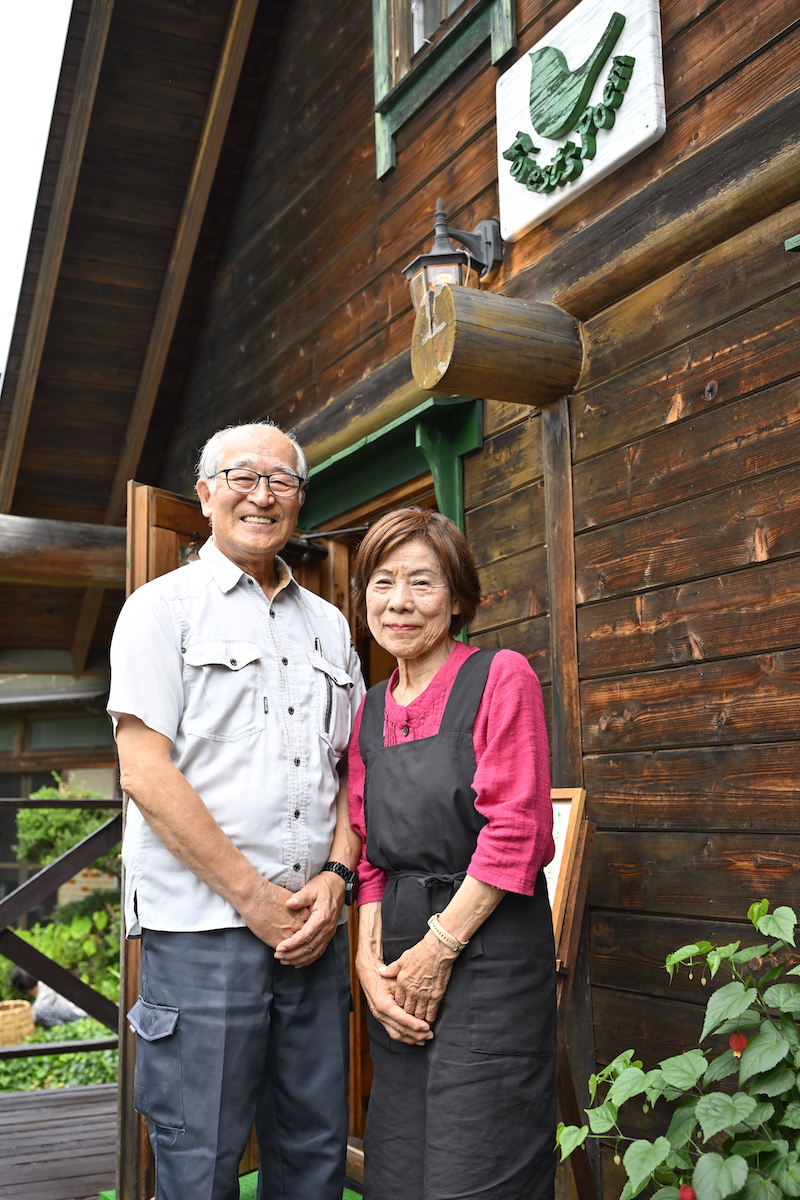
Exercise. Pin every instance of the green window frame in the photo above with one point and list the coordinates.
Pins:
(494, 20)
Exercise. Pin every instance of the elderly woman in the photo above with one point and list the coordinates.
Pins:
(449, 790)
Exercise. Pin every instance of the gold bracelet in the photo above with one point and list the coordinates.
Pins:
(447, 939)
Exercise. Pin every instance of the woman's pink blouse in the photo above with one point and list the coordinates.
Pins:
(512, 779)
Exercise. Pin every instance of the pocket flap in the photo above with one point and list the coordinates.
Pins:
(233, 655)
(153, 1021)
(337, 674)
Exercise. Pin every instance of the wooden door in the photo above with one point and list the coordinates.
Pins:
(164, 531)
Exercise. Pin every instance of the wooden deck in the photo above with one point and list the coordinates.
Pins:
(58, 1144)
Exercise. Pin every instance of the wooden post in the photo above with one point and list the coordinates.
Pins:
(470, 343)
(570, 1109)
(575, 1058)
(566, 725)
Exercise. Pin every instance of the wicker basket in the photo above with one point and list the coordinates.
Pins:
(16, 1022)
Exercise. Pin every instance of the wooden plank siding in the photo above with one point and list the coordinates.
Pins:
(685, 477)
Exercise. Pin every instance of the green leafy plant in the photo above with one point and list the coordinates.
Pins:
(87, 945)
(61, 1070)
(736, 1128)
(44, 834)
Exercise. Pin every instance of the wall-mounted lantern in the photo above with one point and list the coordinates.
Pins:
(445, 264)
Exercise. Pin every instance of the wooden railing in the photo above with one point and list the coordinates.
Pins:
(37, 888)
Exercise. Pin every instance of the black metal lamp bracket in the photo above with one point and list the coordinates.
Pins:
(484, 244)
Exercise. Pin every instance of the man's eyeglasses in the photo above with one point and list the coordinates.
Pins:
(280, 483)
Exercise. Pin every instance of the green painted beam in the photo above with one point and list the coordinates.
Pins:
(444, 437)
(432, 436)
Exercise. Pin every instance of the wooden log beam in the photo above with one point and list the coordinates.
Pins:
(237, 37)
(472, 343)
(704, 199)
(382, 396)
(61, 553)
(32, 660)
(72, 157)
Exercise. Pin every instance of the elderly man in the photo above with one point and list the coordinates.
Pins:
(233, 692)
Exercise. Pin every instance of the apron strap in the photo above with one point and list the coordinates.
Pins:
(460, 711)
(370, 735)
(466, 694)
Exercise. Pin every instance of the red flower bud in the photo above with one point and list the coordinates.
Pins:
(687, 1192)
(737, 1043)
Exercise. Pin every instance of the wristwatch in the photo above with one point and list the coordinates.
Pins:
(350, 879)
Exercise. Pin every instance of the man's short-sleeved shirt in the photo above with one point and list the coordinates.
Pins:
(258, 698)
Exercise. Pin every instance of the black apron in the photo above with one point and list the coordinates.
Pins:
(485, 1084)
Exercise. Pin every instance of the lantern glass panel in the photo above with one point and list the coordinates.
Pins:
(444, 272)
(417, 286)
(436, 275)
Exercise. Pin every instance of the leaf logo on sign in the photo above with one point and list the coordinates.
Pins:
(558, 106)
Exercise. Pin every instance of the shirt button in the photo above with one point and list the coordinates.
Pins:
(285, 662)
(272, 612)
(291, 712)
(234, 662)
(404, 731)
(296, 814)
(297, 866)
(249, 583)
(297, 762)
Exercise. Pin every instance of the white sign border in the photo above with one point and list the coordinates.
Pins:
(640, 121)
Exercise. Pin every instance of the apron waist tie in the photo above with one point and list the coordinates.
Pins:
(429, 881)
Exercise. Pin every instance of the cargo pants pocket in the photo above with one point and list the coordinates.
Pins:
(158, 1079)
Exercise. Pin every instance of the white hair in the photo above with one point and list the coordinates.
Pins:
(211, 453)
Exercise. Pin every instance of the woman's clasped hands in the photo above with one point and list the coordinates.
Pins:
(405, 995)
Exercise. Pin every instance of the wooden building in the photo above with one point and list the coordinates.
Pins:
(231, 191)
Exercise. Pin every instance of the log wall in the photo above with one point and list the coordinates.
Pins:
(685, 481)
(685, 438)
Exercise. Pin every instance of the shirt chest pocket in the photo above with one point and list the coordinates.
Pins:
(333, 688)
(224, 690)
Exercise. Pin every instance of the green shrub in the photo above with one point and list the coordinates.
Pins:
(44, 834)
(61, 1070)
(736, 1129)
(7, 992)
(87, 945)
(87, 905)
(90, 950)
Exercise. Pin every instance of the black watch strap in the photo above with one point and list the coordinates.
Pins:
(350, 879)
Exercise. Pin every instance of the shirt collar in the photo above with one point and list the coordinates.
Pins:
(226, 574)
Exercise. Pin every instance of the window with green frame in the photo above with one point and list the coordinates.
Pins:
(418, 45)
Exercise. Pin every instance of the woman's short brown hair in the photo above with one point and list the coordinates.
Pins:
(444, 538)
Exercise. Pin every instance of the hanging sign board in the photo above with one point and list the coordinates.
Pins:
(585, 100)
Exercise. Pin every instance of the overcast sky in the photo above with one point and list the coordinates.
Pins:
(32, 36)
